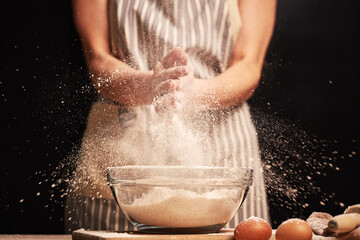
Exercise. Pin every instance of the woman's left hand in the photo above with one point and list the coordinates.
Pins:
(171, 100)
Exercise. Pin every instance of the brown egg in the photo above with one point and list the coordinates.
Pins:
(253, 228)
(294, 229)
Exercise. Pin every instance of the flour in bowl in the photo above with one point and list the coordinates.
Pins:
(182, 208)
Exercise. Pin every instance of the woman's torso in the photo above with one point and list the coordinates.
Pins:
(141, 32)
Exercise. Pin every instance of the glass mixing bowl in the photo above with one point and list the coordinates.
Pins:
(177, 199)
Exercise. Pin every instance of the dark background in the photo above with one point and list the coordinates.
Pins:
(305, 110)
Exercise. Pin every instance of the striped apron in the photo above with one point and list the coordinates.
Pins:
(141, 33)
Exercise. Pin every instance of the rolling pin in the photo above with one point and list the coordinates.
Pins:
(346, 222)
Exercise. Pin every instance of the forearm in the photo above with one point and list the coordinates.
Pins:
(113, 79)
(239, 81)
(118, 82)
(232, 87)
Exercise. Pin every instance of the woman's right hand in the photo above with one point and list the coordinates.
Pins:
(114, 79)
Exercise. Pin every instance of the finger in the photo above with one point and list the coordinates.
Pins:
(179, 84)
(171, 73)
(176, 57)
(167, 87)
(176, 99)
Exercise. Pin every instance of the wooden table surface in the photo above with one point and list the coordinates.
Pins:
(69, 237)
(35, 237)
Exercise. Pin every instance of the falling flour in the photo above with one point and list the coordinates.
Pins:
(182, 208)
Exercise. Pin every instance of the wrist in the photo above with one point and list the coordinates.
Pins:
(200, 94)
(144, 88)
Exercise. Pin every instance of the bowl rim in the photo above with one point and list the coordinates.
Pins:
(176, 167)
(243, 181)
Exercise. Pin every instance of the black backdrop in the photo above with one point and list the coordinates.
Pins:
(307, 101)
